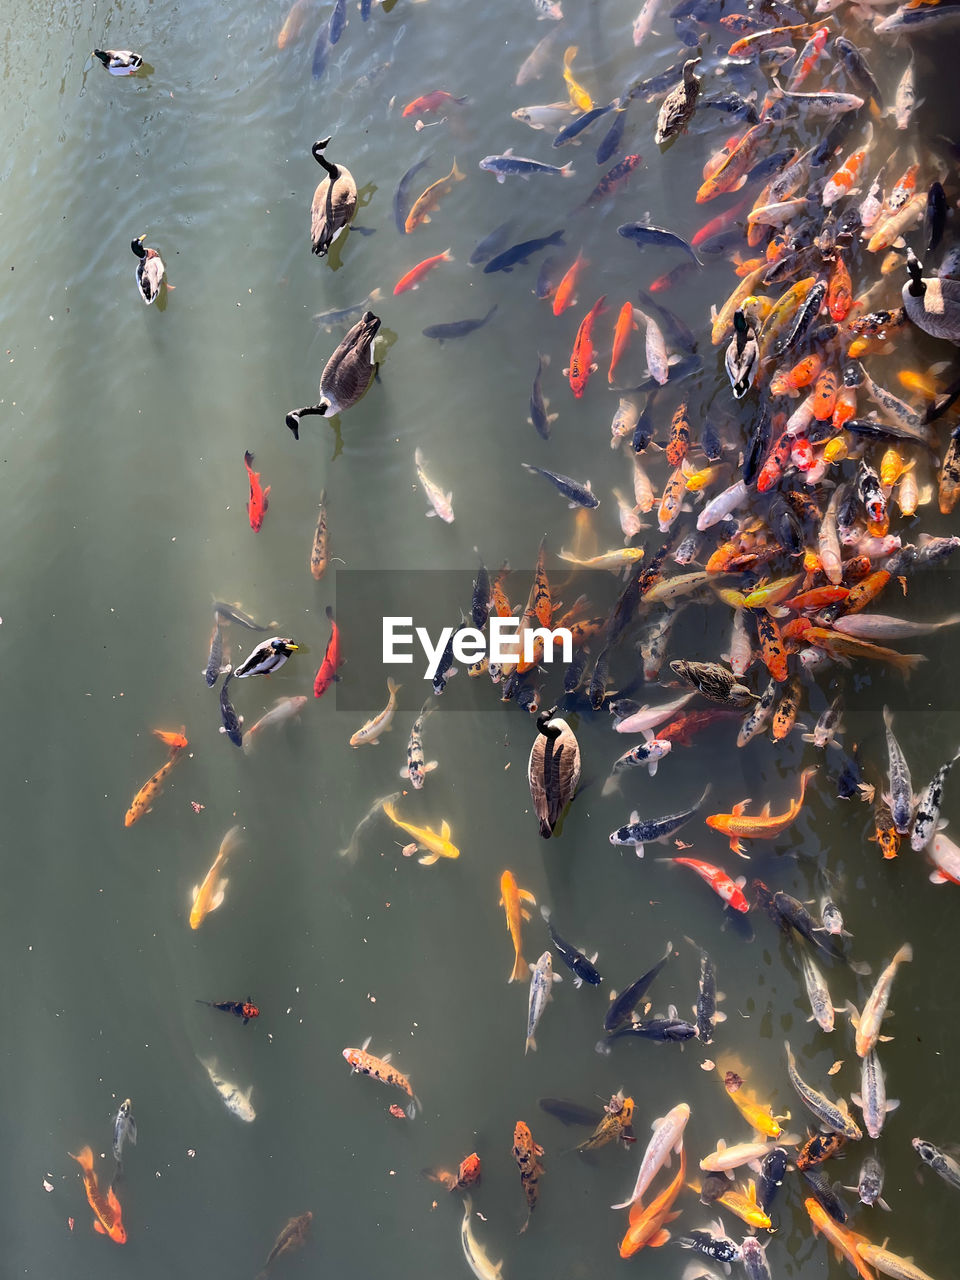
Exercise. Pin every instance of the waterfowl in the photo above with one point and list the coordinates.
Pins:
(119, 62)
(679, 105)
(931, 303)
(553, 770)
(150, 270)
(742, 358)
(346, 375)
(334, 201)
(267, 657)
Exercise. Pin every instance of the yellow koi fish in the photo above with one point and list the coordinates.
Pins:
(440, 846)
(764, 827)
(758, 1115)
(209, 895)
(578, 95)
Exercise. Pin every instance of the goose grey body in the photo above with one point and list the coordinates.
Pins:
(346, 374)
(932, 304)
(553, 770)
(334, 201)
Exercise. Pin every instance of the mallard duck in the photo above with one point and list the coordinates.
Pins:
(931, 303)
(119, 62)
(267, 657)
(553, 770)
(334, 201)
(150, 270)
(346, 375)
(743, 355)
(679, 105)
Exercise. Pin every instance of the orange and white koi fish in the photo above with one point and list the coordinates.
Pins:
(842, 181)
(512, 898)
(109, 1219)
(765, 827)
(209, 895)
(367, 1064)
(582, 363)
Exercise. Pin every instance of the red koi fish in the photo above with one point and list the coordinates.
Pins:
(175, 741)
(428, 103)
(257, 506)
(731, 891)
(108, 1220)
(412, 279)
(331, 660)
(582, 363)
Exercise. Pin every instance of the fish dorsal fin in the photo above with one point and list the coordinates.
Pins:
(634, 817)
(721, 1146)
(672, 1011)
(366, 1044)
(765, 811)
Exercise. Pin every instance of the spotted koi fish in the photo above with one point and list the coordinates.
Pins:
(380, 1068)
(527, 1154)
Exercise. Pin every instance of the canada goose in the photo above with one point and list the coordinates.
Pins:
(679, 105)
(150, 270)
(553, 770)
(346, 375)
(119, 62)
(334, 201)
(932, 304)
(743, 355)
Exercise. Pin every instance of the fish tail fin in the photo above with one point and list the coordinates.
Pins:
(907, 663)
(530, 1044)
(519, 971)
(568, 171)
(248, 459)
(84, 1158)
(392, 685)
(447, 255)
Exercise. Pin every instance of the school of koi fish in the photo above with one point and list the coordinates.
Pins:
(795, 518)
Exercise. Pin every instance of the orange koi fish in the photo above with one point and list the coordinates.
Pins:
(885, 835)
(293, 24)
(626, 323)
(527, 1154)
(257, 505)
(839, 291)
(327, 672)
(648, 1225)
(844, 1241)
(430, 103)
(787, 382)
(817, 598)
(428, 201)
(672, 498)
(540, 604)
(413, 277)
(732, 173)
(616, 1125)
(679, 440)
(836, 643)
(380, 1069)
(766, 827)
(582, 363)
(564, 296)
(108, 1220)
(866, 591)
(766, 38)
(512, 898)
(175, 741)
(143, 801)
(466, 1176)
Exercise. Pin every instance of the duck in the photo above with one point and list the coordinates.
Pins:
(119, 62)
(150, 270)
(267, 657)
(679, 105)
(334, 201)
(743, 354)
(553, 770)
(346, 376)
(933, 304)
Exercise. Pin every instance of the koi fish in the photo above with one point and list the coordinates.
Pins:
(468, 1173)
(564, 296)
(143, 801)
(382, 722)
(243, 1009)
(209, 896)
(327, 672)
(731, 891)
(236, 1100)
(867, 1024)
(367, 1064)
(124, 1130)
(430, 103)
(108, 1220)
(758, 1115)
(477, 1259)
(542, 979)
(440, 502)
(647, 1225)
(318, 550)
(621, 337)
(293, 1236)
(844, 1242)
(439, 846)
(413, 277)
(578, 95)
(258, 503)
(283, 709)
(175, 740)
(832, 1115)
(766, 826)
(667, 1137)
(582, 363)
(527, 1154)
(616, 1125)
(426, 204)
(512, 898)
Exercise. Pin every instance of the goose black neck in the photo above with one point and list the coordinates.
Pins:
(916, 288)
(545, 727)
(293, 417)
(318, 150)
